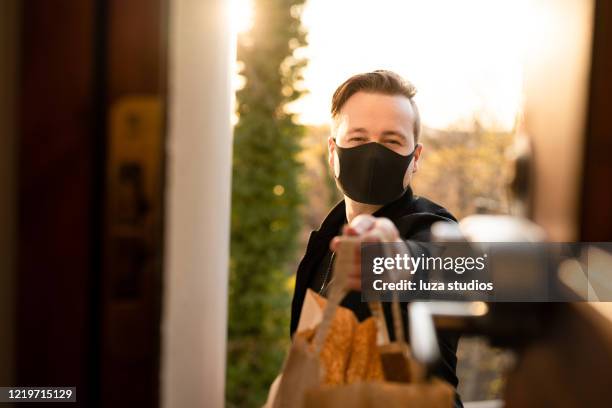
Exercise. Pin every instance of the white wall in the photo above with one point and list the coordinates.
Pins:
(198, 205)
(8, 193)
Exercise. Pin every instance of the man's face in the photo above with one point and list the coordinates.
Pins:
(372, 117)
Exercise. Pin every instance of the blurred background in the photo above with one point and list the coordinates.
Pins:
(162, 163)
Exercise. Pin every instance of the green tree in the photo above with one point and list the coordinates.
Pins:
(265, 199)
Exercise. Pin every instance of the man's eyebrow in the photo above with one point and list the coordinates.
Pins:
(357, 130)
(394, 133)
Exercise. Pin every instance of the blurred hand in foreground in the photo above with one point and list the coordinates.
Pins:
(364, 228)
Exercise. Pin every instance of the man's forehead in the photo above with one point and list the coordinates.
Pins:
(369, 110)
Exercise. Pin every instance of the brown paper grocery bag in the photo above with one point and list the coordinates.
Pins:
(301, 372)
(301, 367)
(332, 356)
(304, 367)
(433, 394)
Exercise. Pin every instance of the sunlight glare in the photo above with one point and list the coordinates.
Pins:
(241, 15)
(465, 58)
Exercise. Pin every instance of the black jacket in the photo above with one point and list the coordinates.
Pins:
(413, 217)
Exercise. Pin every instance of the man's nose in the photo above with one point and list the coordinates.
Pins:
(376, 138)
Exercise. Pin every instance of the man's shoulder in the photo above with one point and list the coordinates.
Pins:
(415, 223)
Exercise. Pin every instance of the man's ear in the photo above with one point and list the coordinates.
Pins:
(417, 153)
(331, 148)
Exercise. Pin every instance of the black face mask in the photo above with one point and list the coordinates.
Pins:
(371, 173)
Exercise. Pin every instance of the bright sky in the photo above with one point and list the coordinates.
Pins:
(465, 57)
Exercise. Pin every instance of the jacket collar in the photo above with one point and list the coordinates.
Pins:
(337, 216)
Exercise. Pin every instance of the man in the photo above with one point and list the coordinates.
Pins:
(373, 153)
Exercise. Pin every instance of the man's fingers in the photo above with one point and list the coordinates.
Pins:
(361, 224)
(381, 232)
(369, 229)
(373, 236)
(333, 245)
(386, 229)
(366, 228)
(354, 284)
(347, 230)
(364, 224)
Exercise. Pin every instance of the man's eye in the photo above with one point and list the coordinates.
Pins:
(396, 142)
(357, 138)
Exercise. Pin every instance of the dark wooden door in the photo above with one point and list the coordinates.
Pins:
(596, 198)
(91, 99)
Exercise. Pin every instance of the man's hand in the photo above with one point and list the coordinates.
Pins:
(366, 228)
